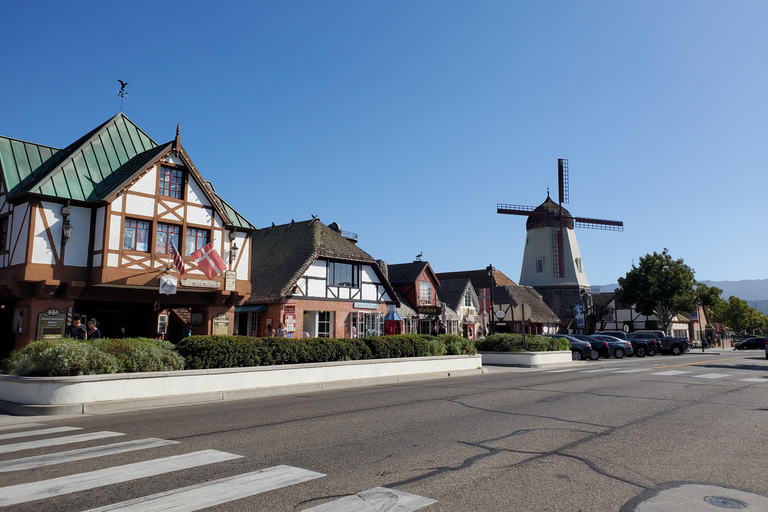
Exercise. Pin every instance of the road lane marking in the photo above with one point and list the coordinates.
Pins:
(710, 361)
(50, 459)
(41, 432)
(635, 370)
(216, 492)
(603, 370)
(21, 425)
(23, 493)
(712, 375)
(561, 371)
(672, 372)
(56, 441)
(378, 498)
(755, 380)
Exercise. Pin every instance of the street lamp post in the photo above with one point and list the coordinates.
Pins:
(492, 313)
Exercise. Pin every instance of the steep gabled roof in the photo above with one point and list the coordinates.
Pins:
(281, 254)
(87, 170)
(479, 278)
(452, 292)
(405, 273)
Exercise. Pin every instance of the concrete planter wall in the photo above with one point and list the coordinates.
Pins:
(103, 393)
(529, 359)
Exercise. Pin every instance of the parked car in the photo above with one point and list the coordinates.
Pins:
(579, 349)
(618, 347)
(641, 346)
(669, 345)
(750, 344)
(599, 347)
(654, 344)
(766, 344)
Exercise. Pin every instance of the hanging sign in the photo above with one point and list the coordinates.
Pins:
(230, 280)
(168, 284)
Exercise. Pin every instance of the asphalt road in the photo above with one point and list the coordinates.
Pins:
(663, 433)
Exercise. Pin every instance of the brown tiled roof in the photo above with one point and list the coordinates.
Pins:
(479, 278)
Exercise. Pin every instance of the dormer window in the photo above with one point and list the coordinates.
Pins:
(171, 182)
(425, 292)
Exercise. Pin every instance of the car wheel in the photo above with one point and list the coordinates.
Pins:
(576, 355)
(595, 355)
(640, 351)
(677, 350)
(618, 354)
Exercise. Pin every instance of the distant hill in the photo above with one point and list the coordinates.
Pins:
(754, 291)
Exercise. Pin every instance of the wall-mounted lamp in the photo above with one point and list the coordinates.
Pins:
(233, 252)
(66, 227)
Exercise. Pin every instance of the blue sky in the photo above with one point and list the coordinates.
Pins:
(408, 121)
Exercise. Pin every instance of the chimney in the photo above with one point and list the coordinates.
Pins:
(384, 268)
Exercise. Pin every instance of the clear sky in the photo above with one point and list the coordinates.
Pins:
(408, 121)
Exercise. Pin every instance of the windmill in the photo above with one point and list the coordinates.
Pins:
(560, 217)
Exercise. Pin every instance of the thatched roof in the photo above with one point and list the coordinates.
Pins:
(281, 254)
(516, 295)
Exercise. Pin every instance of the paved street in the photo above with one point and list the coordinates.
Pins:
(662, 433)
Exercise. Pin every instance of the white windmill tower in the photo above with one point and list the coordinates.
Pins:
(552, 262)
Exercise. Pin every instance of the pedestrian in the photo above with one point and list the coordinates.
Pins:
(77, 329)
(93, 329)
(270, 331)
(703, 344)
(281, 332)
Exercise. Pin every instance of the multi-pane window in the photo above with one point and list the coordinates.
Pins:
(136, 235)
(171, 182)
(324, 329)
(4, 234)
(196, 239)
(539, 265)
(467, 300)
(343, 274)
(425, 292)
(166, 233)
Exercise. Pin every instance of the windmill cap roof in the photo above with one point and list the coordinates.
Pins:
(547, 215)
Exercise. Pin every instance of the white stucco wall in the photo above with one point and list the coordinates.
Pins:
(539, 245)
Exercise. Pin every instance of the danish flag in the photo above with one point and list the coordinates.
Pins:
(177, 260)
(209, 261)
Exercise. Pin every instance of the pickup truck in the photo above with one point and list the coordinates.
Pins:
(669, 345)
(640, 346)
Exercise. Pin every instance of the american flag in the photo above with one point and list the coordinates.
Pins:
(177, 260)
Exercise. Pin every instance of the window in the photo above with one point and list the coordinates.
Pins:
(167, 233)
(171, 182)
(425, 292)
(343, 274)
(578, 265)
(468, 300)
(324, 324)
(539, 265)
(4, 234)
(136, 235)
(196, 239)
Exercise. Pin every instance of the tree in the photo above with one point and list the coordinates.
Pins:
(660, 286)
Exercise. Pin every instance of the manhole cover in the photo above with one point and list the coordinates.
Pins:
(721, 502)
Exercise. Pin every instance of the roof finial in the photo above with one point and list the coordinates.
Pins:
(547, 192)
(122, 93)
(177, 142)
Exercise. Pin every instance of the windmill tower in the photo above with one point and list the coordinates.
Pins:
(552, 262)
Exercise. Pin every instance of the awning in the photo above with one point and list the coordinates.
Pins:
(392, 315)
(254, 307)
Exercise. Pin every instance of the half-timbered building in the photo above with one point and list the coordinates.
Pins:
(91, 229)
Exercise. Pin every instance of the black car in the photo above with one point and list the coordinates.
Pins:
(600, 348)
(579, 349)
(750, 344)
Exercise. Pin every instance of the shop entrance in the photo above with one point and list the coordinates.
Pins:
(120, 320)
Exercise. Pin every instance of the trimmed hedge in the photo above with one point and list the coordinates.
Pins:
(63, 357)
(201, 352)
(506, 342)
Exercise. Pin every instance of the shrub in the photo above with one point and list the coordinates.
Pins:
(60, 357)
(506, 342)
(141, 354)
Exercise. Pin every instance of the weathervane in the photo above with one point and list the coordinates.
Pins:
(122, 93)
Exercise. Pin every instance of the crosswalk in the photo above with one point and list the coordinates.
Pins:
(185, 499)
(692, 373)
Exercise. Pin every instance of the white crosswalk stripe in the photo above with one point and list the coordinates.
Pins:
(378, 498)
(41, 432)
(672, 372)
(755, 380)
(712, 375)
(22, 493)
(56, 441)
(634, 370)
(81, 454)
(214, 493)
(20, 425)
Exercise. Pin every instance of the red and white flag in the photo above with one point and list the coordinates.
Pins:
(177, 260)
(209, 261)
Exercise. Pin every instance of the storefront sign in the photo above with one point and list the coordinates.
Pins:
(365, 305)
(428, 310)
(200, 283)
(221, 325)
(51, 326)
(290, 318)
(230, 280)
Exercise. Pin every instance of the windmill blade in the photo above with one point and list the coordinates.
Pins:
(562, 179)
(515, 209)
(608, 225)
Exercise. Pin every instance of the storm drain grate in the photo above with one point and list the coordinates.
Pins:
(721, 502)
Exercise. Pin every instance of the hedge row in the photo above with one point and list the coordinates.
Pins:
(200, 352)
(61, 357)
(506, 342)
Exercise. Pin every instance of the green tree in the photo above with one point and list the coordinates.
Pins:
(660, 286)
(742, 318)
